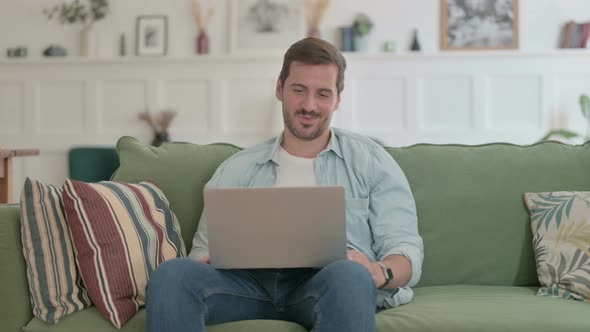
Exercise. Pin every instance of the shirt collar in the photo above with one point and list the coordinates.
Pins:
(273, 154)
(334, 144)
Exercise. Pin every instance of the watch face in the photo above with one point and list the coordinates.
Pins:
(389, 274)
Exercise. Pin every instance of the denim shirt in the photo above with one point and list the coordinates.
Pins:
(381, 215)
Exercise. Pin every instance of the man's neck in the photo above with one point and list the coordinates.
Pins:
(305, 149)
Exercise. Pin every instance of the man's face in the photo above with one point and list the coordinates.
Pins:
(309, 97)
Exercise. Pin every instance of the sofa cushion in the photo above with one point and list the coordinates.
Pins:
(560, 222)
(90, 320)
(471, 214)
(483, 309)
(181, 170)
(437, 308)
(121, 233)
(54, 282)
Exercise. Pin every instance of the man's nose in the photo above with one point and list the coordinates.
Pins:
(309, 103)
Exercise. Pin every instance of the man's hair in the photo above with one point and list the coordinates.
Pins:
(314, 51)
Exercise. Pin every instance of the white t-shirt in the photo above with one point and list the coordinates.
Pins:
(295, 171)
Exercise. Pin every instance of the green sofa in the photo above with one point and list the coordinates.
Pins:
(479, 268)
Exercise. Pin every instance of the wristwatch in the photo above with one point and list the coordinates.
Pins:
(387, 273)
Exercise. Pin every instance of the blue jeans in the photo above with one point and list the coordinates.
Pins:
(185, 295)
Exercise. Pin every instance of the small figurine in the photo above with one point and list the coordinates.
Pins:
(415, 46)
(54, 50)
(17, 52)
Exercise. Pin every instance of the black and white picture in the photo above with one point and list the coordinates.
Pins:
(152, 35)
(265, 25)
(479, 24)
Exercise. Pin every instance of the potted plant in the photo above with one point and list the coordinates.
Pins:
(160, 124)
(86, 14)
(568, 134)
(361, 27)
(202, 15)
(315, 11)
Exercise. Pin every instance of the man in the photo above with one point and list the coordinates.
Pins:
(385, 251)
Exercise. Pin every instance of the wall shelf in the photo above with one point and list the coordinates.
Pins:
(567, 53)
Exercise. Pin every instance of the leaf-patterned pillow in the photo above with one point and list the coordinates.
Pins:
(560, 222)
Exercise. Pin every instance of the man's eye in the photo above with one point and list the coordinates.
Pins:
(298, 91)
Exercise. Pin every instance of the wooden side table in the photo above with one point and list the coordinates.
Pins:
(6, 156)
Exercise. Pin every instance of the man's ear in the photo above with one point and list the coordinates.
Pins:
(279, 90)
(337, 103)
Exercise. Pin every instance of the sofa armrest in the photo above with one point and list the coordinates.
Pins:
(15, 306)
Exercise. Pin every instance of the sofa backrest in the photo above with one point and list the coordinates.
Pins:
(469, 199)
(471, 212)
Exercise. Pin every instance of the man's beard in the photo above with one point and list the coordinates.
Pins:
(290, 124)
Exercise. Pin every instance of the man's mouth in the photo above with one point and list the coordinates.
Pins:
(307, 119)
(307, 116)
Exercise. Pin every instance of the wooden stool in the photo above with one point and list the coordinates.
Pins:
(6, 156)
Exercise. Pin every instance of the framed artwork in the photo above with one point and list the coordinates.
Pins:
(262, 26)
(479, 24)
(151, 36)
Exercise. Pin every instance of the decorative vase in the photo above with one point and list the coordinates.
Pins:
(389, 46)
(122, 45)
(314, 32)
(361, 43)
(347, 36)
(202, 46)
(160, 138)
(88, 42)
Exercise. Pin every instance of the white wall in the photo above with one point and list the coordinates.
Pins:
(470, 97)
(514, 97)
(22, 23)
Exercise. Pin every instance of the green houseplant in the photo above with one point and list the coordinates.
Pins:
(362, 25)
(361, 28)
(568, 134)
(77, 12)
(85, 13)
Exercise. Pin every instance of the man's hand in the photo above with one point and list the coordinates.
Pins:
(205, 259)
(374, 268)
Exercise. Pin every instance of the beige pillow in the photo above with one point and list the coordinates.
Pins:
(55, 285)
(560, 222)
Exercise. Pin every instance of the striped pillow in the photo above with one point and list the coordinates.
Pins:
(121, 233)
(54, 282)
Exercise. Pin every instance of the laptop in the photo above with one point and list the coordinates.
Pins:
(275, 227)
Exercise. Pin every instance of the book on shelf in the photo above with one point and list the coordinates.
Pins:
(576, 35)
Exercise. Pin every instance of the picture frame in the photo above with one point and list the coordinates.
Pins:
(479, 25)
(151, 37)
(265, 26)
